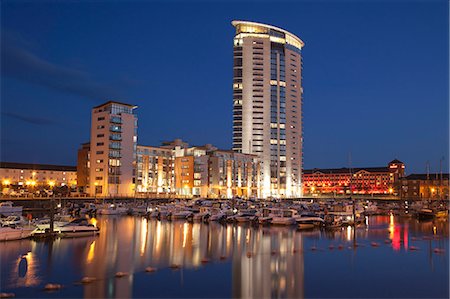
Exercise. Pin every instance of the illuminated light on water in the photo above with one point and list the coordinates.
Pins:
(229, 236)
(24, 273)
(185, 231)
(158, 236)
(405, 237)
(238, 233)
(396, 239)
(367, 221)
(391, 226)
(261, 275)
(144, 230)
(349, 233)
(91, 253)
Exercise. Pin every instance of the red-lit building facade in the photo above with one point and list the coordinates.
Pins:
(368, 180)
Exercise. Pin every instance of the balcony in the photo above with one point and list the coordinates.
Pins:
(116, 120)
(115, 138)
(115, 129)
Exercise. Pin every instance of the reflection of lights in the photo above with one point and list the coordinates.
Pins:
(238, 233)
(30, 278)
(94, 222)
(434, 230)
(367, 220)
(58, 205)
(144, 228)
(229, 236)
(90, 255)
(405, 237)
(158, 235)
(185, 231)
(349, 233)
(391, 226)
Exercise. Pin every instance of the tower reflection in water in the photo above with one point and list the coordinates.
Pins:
(265, 262)
(268, 263)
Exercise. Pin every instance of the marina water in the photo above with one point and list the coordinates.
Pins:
(389, 257)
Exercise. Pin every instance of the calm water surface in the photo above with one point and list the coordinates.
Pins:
(235, 261)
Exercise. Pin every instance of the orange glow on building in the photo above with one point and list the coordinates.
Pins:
(370, 180)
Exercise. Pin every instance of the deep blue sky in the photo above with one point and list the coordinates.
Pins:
(375, 75)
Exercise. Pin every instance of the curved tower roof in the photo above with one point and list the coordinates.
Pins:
(254, 27)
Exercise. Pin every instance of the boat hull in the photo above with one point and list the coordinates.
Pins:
(11, 234)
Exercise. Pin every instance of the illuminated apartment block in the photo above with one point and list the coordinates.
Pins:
(233, 174)
(155, 173)
(191, 170)
(177, 169)
(113, 150)
(267, 104)
(33, 176)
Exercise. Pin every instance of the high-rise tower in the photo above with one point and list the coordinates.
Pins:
(113, 150)
(267, 104)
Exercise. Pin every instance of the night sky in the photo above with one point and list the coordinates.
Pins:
(375, 75)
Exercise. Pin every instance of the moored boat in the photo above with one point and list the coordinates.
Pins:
(425, 214)
(7, 208)
(8, 233)
(76, 228)
(113, 209)
(308, 222)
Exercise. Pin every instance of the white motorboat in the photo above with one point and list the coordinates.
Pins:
(245, 216)
(308, 222)
(202, 214)
(330, 221)
(282, 216)
(113, 209)
(139, 210)
(8, 233)
(7, 208)
(180, 214)
(59, 220)
(264, 216)
(76, 228)
(218, 216)
(13, 220)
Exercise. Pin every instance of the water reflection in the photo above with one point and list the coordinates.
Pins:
(263, 261)
(268, 263)
(24, 271)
